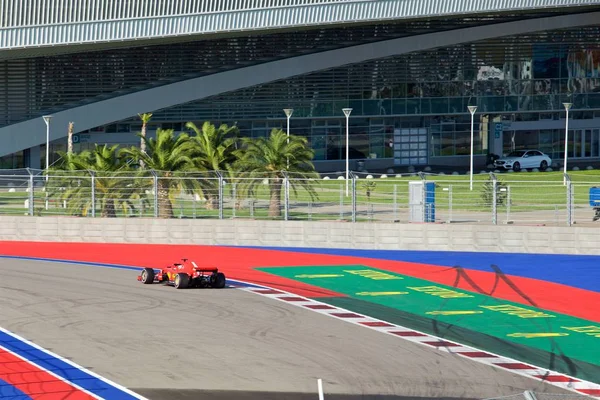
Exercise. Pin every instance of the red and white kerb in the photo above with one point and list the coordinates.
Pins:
(548, 376)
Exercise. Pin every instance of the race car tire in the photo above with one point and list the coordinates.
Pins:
(182, 281)
(219, 281)
(147, 276)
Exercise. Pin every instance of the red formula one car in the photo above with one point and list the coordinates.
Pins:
(183, 275)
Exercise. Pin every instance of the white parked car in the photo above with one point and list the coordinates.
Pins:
(520, 159)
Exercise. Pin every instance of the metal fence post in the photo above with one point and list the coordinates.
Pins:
(423, 199)
(286, 196)
(569, 200)
(341, 202)
(449, 203)
(395, 203)
(353, 197)
(572, 199)
(234, 199)
(508, 202)
(494, 198)
(46, 191)
(30, 184)
(93, 190)
(220, 194)
(155, 192)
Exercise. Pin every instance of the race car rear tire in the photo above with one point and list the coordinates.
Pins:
(219, 280)
(147, 276)
(182, 281)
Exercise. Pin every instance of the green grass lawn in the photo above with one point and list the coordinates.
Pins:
(529, 191)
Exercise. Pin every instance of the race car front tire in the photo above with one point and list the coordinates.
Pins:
(182, 281)
(147, 276)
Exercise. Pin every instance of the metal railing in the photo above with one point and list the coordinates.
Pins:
(22, 13)
(46, 12)
(30, 23)
(556, 200)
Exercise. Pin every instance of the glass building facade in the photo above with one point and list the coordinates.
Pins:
(418, 102)
(409, 109)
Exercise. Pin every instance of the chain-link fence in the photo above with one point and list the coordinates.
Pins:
(552, 199)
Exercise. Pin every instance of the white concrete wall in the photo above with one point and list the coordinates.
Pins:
(456, 237)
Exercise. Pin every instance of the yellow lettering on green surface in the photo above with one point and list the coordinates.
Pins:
(465, 312)
(372, 274)
(380, 293)
(440, 292)
(518, 311)
(315, 276)
(590, 330)
(536, 335)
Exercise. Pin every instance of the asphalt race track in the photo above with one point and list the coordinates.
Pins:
(181, 344)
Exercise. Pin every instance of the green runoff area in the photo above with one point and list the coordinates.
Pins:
(543, 338)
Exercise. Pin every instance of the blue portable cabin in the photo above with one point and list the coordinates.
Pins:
(595, 196)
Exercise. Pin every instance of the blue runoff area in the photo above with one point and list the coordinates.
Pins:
(8, 391)
(579, 271)
(67, 371)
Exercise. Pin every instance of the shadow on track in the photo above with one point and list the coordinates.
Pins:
(556, 356)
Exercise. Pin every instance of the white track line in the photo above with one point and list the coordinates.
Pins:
(485, 357)
(71, 363)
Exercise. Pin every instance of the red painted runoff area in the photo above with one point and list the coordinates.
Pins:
(35, 382)
(240, 263)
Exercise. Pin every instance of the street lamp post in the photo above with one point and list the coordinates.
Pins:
(288, 113)
(47, 119)
(347, 112)
(567, 107)
(472, 110)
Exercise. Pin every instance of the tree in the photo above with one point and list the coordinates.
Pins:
(70, 138)
(369, 186)
(487, 192)
(74, 171)
(262, 158)
(169, 155)
(215, 152)
(145, 119)
(216, 146)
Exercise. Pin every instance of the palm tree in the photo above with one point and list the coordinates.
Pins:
(216, 147)
(168, 155)
(262, 158)
(70, 138)
(110, 190)
(145, 119)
